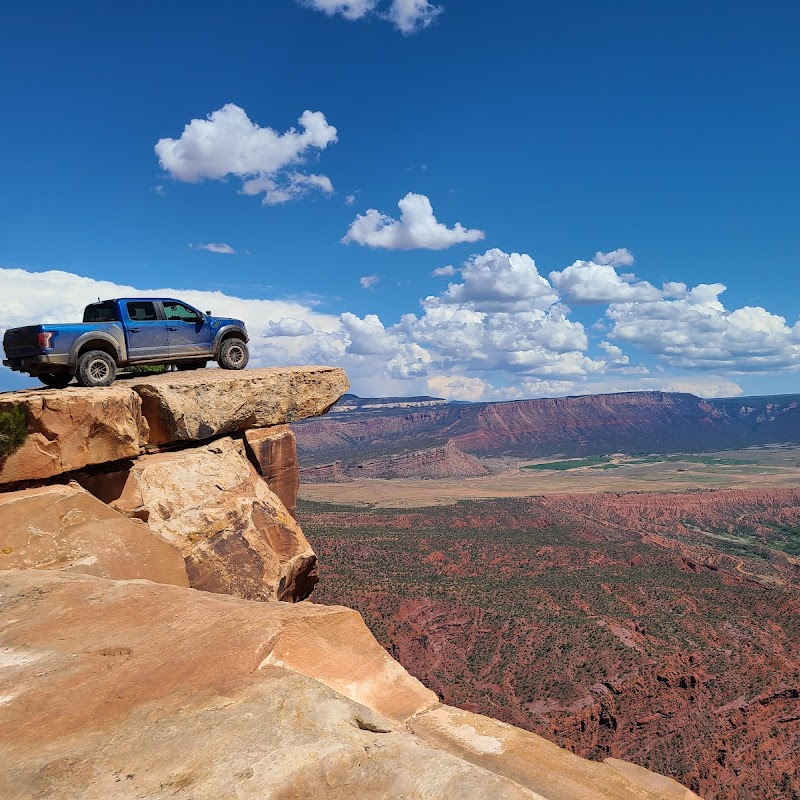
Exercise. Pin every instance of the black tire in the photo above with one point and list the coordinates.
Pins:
(233, 354)
(55, 380)
(184, 365)
(96, 368)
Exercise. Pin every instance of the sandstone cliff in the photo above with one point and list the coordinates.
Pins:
(630, 422)
(120, 681)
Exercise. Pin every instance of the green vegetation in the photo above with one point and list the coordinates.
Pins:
(606, 462)
(146, 369)
(572, 463)
(13, 430)
(708, 461)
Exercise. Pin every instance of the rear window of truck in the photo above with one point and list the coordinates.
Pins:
(101, 312)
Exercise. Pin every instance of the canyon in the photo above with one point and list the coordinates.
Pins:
(661, 628)
(156, 639)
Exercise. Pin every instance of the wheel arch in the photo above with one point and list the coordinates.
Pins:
(94, 341)
(229, 332)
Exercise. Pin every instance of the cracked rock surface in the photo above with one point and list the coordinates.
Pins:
(232, 530)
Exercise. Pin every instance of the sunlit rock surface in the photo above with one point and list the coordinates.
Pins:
(199, 404)
(234, 533)
(71, 428)
(116, 689)
(65, 528)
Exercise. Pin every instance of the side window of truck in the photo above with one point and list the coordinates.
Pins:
(100, 312)
(180, 313)
(142, 312)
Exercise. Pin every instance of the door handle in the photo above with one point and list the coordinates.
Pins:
(134, 330)
(172, 327)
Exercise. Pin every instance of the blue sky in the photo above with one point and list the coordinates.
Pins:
(557, 130)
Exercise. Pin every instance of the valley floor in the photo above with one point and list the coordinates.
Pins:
(766, 467)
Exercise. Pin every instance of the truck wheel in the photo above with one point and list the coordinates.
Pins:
(96, 368)
(233, 354)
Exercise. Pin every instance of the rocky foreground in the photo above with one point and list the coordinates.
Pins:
(145, 532)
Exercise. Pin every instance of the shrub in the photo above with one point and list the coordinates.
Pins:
(13, 430)
(147, 369)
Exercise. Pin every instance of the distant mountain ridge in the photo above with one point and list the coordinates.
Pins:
(629, 422)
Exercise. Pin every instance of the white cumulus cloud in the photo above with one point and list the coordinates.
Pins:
(228, 143)
(408, 16)
(444, 272)
(417, 228)
(349, 9)
(501, 281)
(696, 331)
(368, 281)
(621, 257)
(590, 283)
(215, 247)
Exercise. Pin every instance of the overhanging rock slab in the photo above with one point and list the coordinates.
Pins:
(199, 404)
(71, 428)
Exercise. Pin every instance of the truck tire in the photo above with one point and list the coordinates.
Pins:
(54, 380)
(233, 354)
(96, 368)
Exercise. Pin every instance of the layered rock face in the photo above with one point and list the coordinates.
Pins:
(630, 422)
(275, 452)
(230, 698)
(205, 503)
(434, 462)
(72, 428)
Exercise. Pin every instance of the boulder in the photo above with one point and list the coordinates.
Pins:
(71, 428)
(275, 452)
(199, 404)
(131, 689)
(65, 528)
(233, 532)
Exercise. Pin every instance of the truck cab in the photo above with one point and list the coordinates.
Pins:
(125, 332)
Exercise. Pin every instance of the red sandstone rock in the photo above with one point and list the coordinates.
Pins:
(65, 528)
(71, 428)
(275, 451)
(234, 533)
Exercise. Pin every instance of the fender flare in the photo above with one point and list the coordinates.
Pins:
(223, 332)
(94, 336)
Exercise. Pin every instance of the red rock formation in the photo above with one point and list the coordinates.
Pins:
(275, 451)
(662, 628)
(324, 473)
(629, 422)
(435, 462)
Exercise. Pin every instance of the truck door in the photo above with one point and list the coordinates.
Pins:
(190, 334)
(147, 334)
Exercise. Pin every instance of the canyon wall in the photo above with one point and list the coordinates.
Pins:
(146, 533)
(630, 422)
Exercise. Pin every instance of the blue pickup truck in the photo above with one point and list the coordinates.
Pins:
(121, 333)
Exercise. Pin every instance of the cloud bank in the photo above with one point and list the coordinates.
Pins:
(499, 330)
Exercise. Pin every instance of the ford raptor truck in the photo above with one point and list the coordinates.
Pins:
(121, 333)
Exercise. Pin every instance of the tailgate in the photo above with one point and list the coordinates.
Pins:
(22, 342)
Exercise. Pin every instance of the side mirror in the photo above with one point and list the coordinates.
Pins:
(208, 313)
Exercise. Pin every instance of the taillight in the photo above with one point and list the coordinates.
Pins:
(45, 339)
